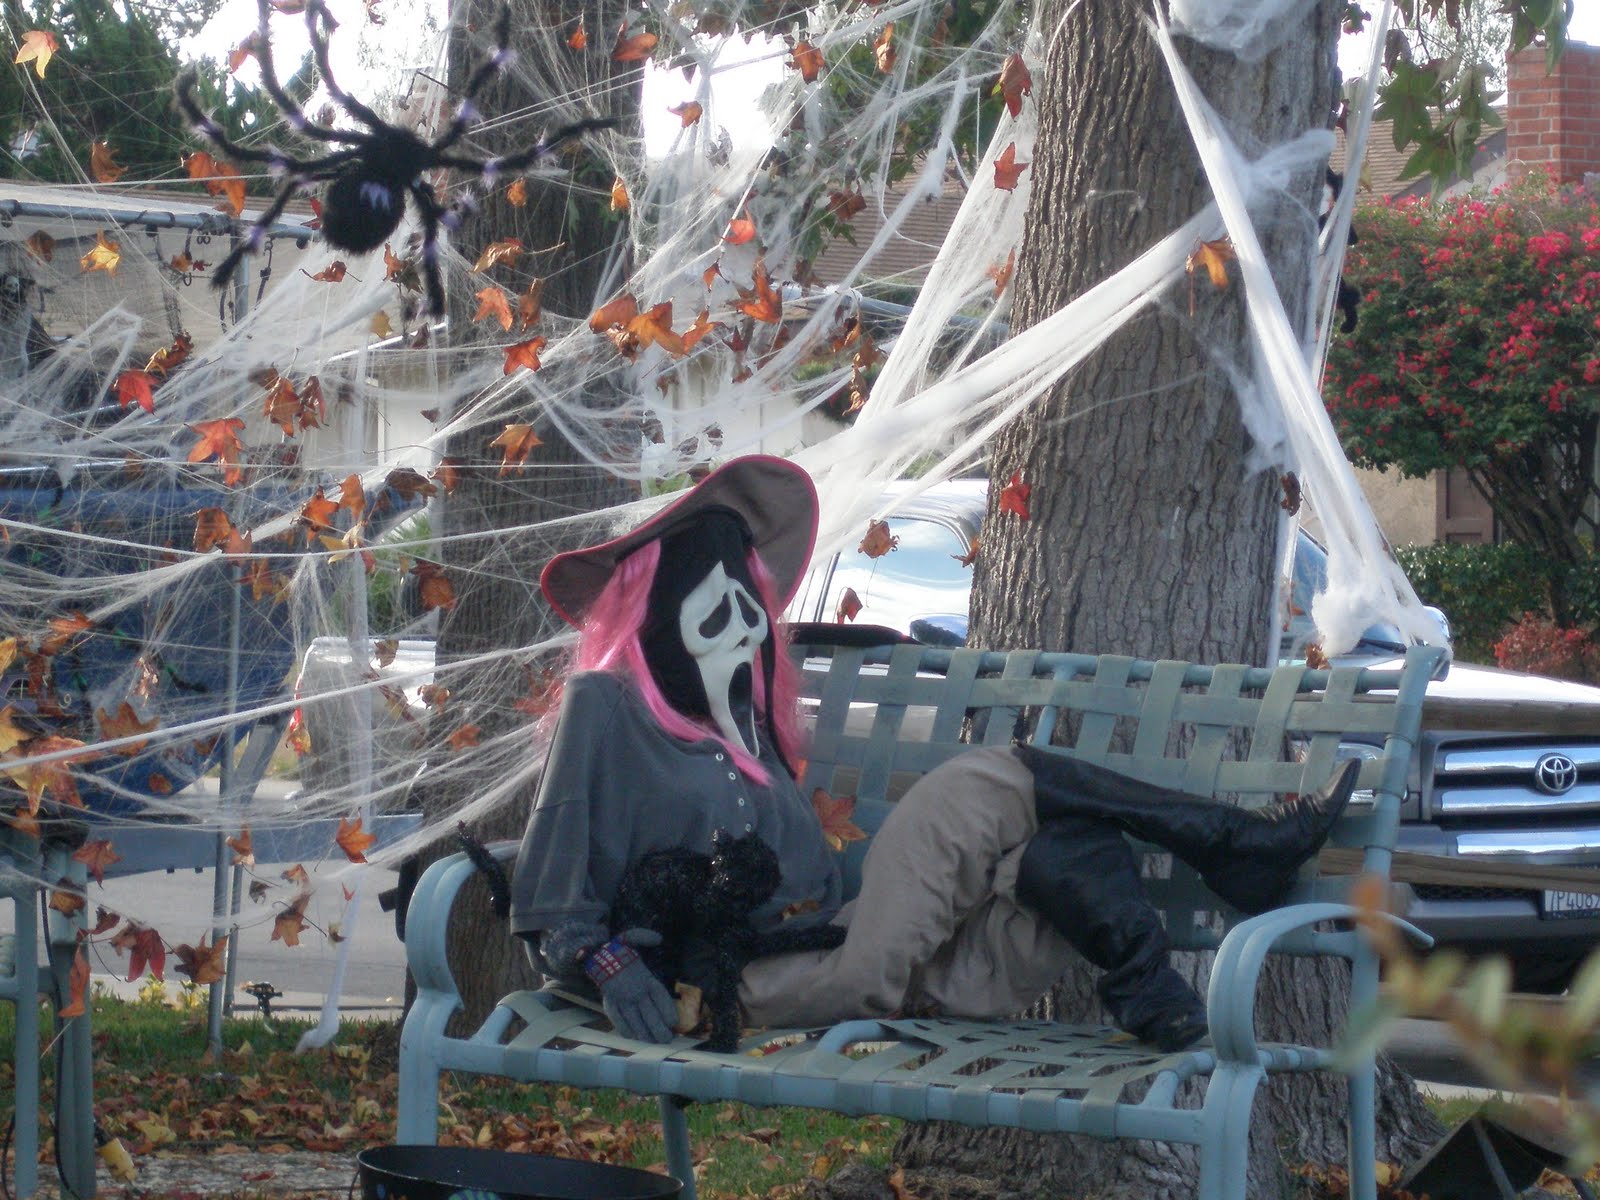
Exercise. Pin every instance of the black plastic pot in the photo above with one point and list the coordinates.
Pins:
(461, 1173)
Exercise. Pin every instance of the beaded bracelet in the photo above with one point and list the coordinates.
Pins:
(605, 963)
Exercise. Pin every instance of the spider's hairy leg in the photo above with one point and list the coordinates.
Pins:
(489, 169)
(252, 241)
(319, 25)
(432, 214)
(278, 161)
(467, 112)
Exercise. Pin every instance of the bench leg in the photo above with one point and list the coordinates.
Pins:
(1363, 1086)
(675, 1136)
(417, 1122)
(1225, 1154)
(26, 978)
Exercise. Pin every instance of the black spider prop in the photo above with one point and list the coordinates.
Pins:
(370, 171)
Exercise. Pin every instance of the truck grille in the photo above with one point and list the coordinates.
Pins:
(1525, 779)
(1442, 891)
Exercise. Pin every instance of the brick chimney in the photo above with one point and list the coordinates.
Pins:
(1553, 121)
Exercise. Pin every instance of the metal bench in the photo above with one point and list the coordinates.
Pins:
(889, 714)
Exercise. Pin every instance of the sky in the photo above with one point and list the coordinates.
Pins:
(372, 60)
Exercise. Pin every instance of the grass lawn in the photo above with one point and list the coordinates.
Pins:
(156, 1091)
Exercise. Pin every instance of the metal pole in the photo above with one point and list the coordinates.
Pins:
(220, 996)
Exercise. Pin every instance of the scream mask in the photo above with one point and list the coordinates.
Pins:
(706, 626)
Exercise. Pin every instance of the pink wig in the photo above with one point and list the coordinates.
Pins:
(609, 641)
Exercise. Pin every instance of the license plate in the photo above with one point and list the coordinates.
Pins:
(1557, 905)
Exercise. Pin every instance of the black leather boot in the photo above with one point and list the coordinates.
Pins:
(1081, 876)
(1248, 857)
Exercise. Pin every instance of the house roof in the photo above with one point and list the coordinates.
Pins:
(1380, 174)
(909, 252)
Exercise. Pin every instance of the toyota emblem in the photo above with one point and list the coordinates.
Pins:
(1555, 774)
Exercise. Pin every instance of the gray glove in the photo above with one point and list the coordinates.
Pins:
(637, 1003)
(639, 1006)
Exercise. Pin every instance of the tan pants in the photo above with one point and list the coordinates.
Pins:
(937, 926)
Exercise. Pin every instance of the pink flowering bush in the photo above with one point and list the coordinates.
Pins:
(1478, 346)
(1539, 646)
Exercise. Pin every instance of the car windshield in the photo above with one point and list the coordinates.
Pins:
(921, 577)
(1311, 577)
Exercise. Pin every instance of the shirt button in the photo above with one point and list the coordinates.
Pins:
(721, 756)
(748, 828)
(741, 801)
(731, 775)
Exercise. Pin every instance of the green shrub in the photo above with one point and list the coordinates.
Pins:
(1486, 589)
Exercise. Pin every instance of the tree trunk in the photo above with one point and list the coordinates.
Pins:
(496, 574)
(1148, 535)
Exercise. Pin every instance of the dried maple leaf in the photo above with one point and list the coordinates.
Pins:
(436, 590)
(244, 850)
(352, 496)
(135, 387)
(493, 302)
(158, 784)
(97, 855)
(332, 273)
(1214, 257)
(447, 474)
(464, 737)
(77, 985)
(515, 441)
(849, 606)
(618, 311)
(633, 47)
(104, 920)
(523, 354)
(282, 404)
(313, 408)
(530, 304)
(380, 325)
(353, 841)
(317, 515)
(167, 359)
(288, 925)
(883, 51)
(297, 875)
(1014, 496)
(102, 166)
(62, 631)
(104, 255)
(258, 890)
(66, 899)
(879, 541)
(263, 581)
(807, 59)
(653, 327)
(211, 529)
(8, 652)
(409, 484)
(1014, 83)
(41, 245)
(688, 112)
(241, 51)
(1316, 658)
(844, 205)
(10, 736)
(833, 813)
(202, 963)
(1007, 170)
(1002, 275)
(1290, 483)
(38, 46)
(578, 39)
(507, 251)
(970, 557)
(145, 950)
(219, 440)
(124, 723)
(702, 326)
(740, 230)
(760, 301)
(619, 195)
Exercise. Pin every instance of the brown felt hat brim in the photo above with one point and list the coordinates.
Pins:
(775, 497)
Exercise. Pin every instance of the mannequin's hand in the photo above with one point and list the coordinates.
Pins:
(564, 948)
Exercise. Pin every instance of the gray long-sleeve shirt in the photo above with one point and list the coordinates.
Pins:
(616, 787)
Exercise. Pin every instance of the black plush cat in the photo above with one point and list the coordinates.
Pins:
(700, 905)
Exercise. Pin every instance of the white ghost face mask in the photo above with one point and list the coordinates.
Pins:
(723, 626)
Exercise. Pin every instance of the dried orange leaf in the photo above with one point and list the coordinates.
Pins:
(883, 51)
(517, 193)
(849, 606)
(135, 387)
(578, 39)
(1014, 83)
(1007, 170)
(618, 311)
(807, 59)
(1214, 258)
(77, 979)
(219, 440)
(760, 301)
(1014, 496)
(97, 855)
(436, 590)
(619, 195)
(833, 813)
(103, 166)
(202, 963)
(38, 47)
(515, 441)
(507, 251)
(493, 302)
(688, 112)
(124, 723)
(633, 47)
(244, 850)
(523, 354)
(41, 245)
(879, 541)
(740, 230)
(104, 255)
(353, 841)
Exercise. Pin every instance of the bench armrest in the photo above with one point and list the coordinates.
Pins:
(428, 918)
(1236, 969)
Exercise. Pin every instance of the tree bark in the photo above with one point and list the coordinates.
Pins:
(1148, 535)
(495, 574)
